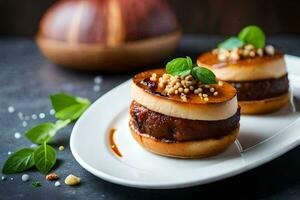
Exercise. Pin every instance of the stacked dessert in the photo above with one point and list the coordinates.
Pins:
(183, 111)
(256, 70)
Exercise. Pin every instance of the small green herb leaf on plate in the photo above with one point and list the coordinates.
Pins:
(19, 161)
(204, 75)
(45, 132)
(36, 184)
(231, 43)
(68, 107)
(179, 66)
(253, 35)
(44, 158)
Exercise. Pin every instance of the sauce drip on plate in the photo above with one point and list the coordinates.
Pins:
(112, 143)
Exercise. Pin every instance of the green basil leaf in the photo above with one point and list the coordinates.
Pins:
(204, 75)
(19, 161)
(41, 133)
(179, 66)
(72, 112)
(231, 43)
(68, 107)
(44, 158)
(253, 35)
(36, 184)
(45, 132)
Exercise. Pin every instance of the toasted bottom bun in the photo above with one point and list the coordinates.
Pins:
(264, 106)
(190, 149)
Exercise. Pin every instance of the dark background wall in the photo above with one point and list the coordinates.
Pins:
(21, 17)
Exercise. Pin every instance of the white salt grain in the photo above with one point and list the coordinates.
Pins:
(20, 115)
(42, 115)
(24, 123)
(97, 79)
(17, 135)
(52, 112)
(34, 116)
(96, 88)
(57, 184)
(11, 109)
(25, 177)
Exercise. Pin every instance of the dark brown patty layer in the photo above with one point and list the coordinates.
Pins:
(262, 89)
(174, 129)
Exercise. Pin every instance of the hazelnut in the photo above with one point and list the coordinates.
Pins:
(270, 50)
(52, 176)
(72, 180)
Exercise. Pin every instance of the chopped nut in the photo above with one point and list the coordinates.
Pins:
(212, 89)
(206, 99)
(52, 176)
(222, 57)
(186, 90)
(270, 50)
(249, 47)
(180, 89)
(260, 52)
(61, 148)
(220, 83)
(205, 95)
(216, 93)
(252, 54)
(72, 180)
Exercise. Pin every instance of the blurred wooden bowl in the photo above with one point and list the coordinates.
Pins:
(108, 34)
(98, 57)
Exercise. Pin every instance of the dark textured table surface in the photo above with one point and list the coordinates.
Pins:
(26, 80)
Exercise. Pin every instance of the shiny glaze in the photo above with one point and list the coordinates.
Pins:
(142, 80)
(112, 143)
(211, 60)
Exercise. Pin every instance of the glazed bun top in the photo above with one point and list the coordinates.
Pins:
(217, 103)
(250, 69)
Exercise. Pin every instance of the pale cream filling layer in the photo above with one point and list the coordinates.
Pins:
(266, 70)
(185, 110)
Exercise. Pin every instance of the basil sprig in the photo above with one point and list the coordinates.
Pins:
(180, 66)
(249, 35)
(184, 66)
(231, 43)
(253, 35)
(19, 161)
(68, 108)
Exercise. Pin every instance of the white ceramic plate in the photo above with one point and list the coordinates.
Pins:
(261, 139)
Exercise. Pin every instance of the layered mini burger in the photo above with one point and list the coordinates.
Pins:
(256, 70)
(183, 111)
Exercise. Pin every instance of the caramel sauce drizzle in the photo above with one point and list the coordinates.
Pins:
(112, 143)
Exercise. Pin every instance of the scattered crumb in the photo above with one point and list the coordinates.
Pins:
(96, 88)
(97, 79)
(34, 116)
(52, 112)
(25, 177)
(42, 115)
(20, 115)
(17, 135)
(24, 123)
(61, 148)
(11, 109)
(72, 180)
(52, 177)
(57, 184)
